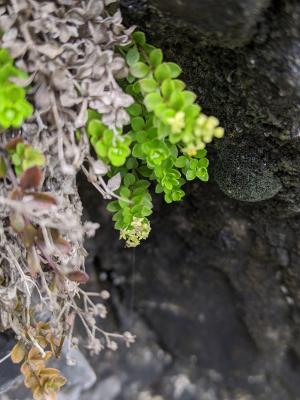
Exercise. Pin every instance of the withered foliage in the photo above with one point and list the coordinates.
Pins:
(67, 49)
(43, 381)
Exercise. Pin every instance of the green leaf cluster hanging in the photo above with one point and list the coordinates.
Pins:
(14, 108)
(164, 143)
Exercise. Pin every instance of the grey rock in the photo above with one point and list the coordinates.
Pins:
(110, 388)
(9, 371)
(217, 283)
(253, 89)
(231, 24)
(80, 376)
(245, 175)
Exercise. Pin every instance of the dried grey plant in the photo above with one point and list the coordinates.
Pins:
(67, 49)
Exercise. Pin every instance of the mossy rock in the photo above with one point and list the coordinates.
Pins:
(244, 174)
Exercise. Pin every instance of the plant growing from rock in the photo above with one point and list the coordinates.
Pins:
(65, 89)
(164, 142)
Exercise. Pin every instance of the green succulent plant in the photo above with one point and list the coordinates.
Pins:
(14, 108)
(24, 157)
(164, 143)
(112, 148)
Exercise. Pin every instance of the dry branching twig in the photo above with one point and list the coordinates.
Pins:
(67, 49)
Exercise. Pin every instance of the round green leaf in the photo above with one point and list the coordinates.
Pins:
(131, 163)
(203, 162)
(148, 85)
(139, 38)
(162, 72)
(145, 171)
(129, 179)
(137, 151)
(181, 162)
(203, 174)
(137, 123)
(133, 56)
(113, 206)
(156, 57)
(193, 164)
(153, 100)
(168, 87)
(175, 70)
(125, 192)
(201, 153)
(190, 175)
(139, 70)
(135, 109)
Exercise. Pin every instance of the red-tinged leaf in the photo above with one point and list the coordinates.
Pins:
(61, 244)
(16, 194)
(31, 178)
(45, 198)
(78, 276)
(41, 200)
(12, 144)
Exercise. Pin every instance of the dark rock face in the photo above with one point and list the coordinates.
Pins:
(231, 24)
(9, 372)
(254, 90)
(216, 288)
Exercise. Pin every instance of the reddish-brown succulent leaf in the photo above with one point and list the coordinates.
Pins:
(45, 197)
(61, 244)
(41, 200)
(29, 235)
(31, 178)
(12, 144)
(78, 276)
